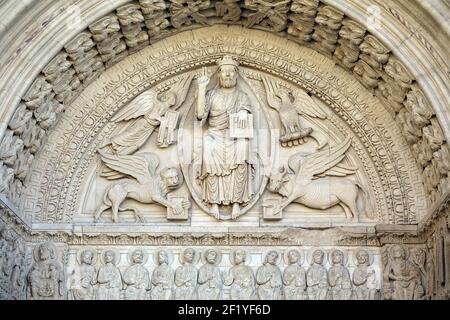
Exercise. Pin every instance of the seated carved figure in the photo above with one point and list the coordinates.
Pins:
(85, 290)
(46, 276)
(316, 277)
(403, 275)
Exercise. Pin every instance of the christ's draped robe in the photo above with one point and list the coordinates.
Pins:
(226, 172)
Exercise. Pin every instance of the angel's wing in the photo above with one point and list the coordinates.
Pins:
(141, 167)
(305, 105)
(321, 162)
(140, 106)
(271, 86)
(181, 89)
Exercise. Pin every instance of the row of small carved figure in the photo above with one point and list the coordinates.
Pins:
(107, 282)
(404, 277)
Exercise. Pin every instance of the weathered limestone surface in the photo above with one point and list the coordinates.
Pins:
(224, 150)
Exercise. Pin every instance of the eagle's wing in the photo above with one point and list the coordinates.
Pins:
(141, 167)
(181, 89)
(141, 105)
(305, 105)
(319, 163)
(271, 86)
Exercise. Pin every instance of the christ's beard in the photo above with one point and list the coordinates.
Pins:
(227, 83)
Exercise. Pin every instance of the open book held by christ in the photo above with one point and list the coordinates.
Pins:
(238, 132)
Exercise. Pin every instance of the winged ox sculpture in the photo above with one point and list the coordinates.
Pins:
(305, 181)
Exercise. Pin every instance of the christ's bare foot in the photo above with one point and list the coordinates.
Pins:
(236, 211)
(215, 210)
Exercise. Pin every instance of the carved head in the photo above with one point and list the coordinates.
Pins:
(168, 97)
(162, 257)
(318, 256)
(170, 178)
(109, 256)
(7, 234)
(211, 256)
(271, 257)
(44, 252)
(277, 180)
(284, 95)
(337, 257)
(293, 256)
(138, 256)
(399, 252)
(239, 256)
(228, 72)
(188, 255)
(362, 257)
(87, 256)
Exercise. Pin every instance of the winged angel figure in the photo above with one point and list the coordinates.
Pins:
(305, 183)
(290, 105)
(148, 187)
(147, 112)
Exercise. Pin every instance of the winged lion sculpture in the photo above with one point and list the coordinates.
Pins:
(146, 185)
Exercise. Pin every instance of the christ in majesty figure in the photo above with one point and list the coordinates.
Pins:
(226, 172)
